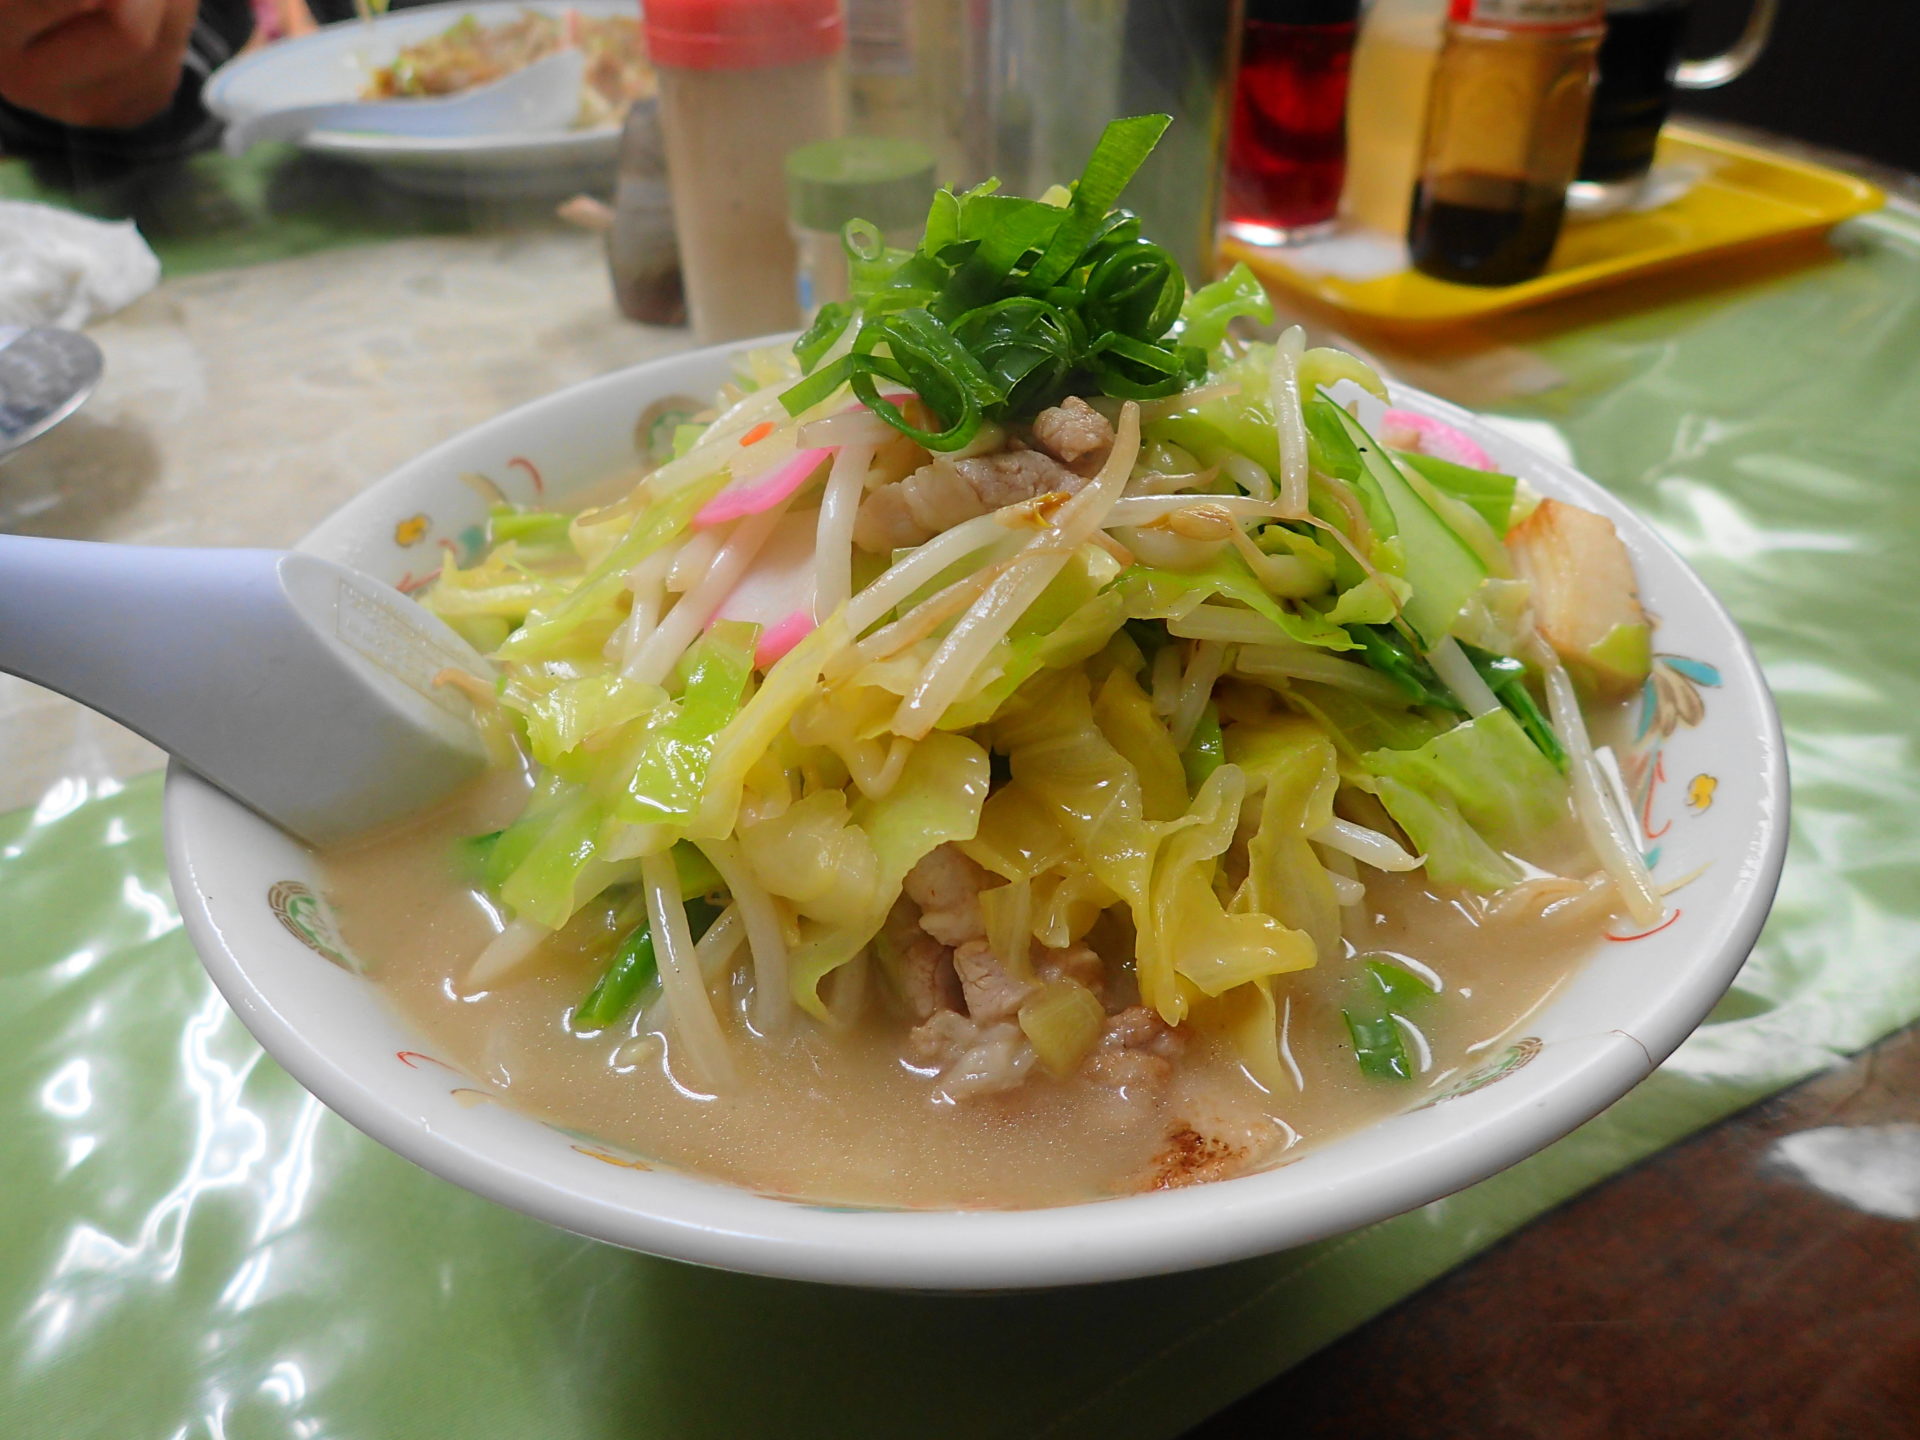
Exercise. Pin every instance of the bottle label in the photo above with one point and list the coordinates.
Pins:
(1531, 14)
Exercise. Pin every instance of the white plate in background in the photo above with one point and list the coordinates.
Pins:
(337, 61)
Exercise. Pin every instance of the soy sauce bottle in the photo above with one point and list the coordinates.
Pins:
(1505, 123)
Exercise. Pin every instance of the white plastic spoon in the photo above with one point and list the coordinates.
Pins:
(303, 689)
(540, 97)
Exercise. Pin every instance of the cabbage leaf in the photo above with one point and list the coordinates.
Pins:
(1215, 950)
(937, 799)
(664, 772)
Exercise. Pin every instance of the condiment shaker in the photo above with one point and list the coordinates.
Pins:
(742, 82)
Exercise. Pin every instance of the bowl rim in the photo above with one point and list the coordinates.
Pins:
(691, 1219)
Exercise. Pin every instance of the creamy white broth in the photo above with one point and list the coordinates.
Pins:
(838, 1116)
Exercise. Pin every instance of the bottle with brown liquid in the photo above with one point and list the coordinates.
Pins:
(1505, 124)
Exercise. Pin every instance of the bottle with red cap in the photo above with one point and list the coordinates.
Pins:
(742, 83)
(1506, 119)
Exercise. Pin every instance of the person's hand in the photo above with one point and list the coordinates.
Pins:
(108, 64)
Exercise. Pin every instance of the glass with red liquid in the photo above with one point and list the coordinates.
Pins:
(1287, 153)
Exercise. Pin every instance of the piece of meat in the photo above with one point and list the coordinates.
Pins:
(1137, 1052)
(920, 967)
(946, 885)
(1075, 434)
(973, 1059)
(991, 992)
(945, 493)
(1075, 962)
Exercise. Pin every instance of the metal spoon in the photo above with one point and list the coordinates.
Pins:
(542, 96)
(310, 692)
(45, 375)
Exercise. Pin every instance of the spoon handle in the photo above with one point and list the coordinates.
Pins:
(302, 688)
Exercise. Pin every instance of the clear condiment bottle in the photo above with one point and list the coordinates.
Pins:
(642, 254)
(885, 181)
(742, 82)
(1505, 123)
(1287, 152)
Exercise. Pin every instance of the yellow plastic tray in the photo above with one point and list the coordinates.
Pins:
(1746, 197)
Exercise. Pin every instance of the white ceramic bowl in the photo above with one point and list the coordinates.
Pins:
(1709, 785)
(336, 61)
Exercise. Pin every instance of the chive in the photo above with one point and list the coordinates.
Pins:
(826, 328)
(1386, 650)
(1399, 986)
(1389, 991)
(1377, 1046)
(632, 968)
(1207, 751)
(613, 994)
(1507, 678)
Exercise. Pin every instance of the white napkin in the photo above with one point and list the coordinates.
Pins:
(59, 268)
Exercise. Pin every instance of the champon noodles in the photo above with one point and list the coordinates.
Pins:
(1022, 744)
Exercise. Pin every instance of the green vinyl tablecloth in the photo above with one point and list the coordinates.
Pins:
(195, 1248)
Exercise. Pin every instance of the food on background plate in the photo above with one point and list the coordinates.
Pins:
(469, 53)
(1022, 745)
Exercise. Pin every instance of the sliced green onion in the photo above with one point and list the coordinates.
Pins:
(632, 968)
(1377, 1046)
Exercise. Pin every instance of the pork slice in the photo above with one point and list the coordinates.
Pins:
(944, 493)
(1075, 434)
(919, 966)
(992, 993)
(1137, 1052)
(1076, 962)
(973, 1059)
(946, 885)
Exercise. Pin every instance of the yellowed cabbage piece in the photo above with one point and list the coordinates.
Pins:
(1008, 913)
(1063, 1019)
(762, 721)
(1246, 1018)
(938, 798)
(562, 719)
(1295, 764)
(1066, 902)
(813, 855)
(1125, 716)
(1017, 839)
(1213, 949)
(498, 586)
(1060, 757)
